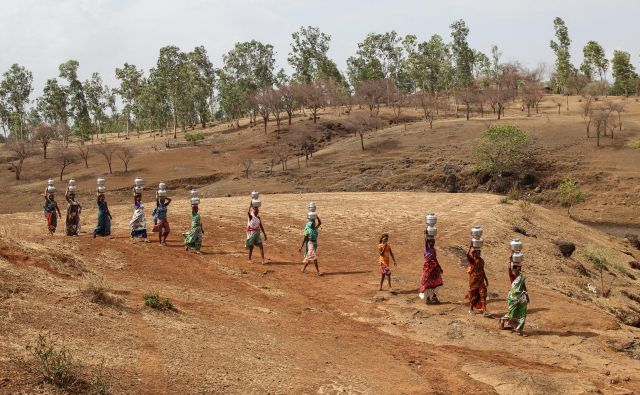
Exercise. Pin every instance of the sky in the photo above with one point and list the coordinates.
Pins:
(104, 34)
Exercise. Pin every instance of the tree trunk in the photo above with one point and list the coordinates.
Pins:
(175, 126)
(362, 141)
(467, 111)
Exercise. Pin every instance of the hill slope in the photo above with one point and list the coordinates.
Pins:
(245, 327)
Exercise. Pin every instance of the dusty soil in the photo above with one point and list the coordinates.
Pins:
(248, 328)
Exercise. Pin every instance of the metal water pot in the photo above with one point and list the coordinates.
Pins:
(162, 193)
(102, 189)
(138, 182)
(72, 182)
(194, 193)
(137, 190)
(431, 219)
(432, 231)
(477, 242)
(101, 181)
(72, 189)
(162, 185)
(195, 201)
(312, 207)
(517, 257)
(51, 189)
(255, 195)
(256, 203)
(476, 232)
(312, 215)
(516, 245)
(50, 181)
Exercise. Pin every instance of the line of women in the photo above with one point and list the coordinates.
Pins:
(431, 281)
(432, 272)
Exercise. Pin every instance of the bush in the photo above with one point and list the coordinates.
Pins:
(501, 147)
(56, 365)
(98, 292)
(153, 300)
(635, 144)
(601, 260)
(570, 194)
(194, 137)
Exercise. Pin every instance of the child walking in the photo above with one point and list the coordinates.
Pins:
(384, 249)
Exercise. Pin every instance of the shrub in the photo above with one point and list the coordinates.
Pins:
(56, 366)
(98, 292)
(194, 137)
(153, 300)
(527, 210)
(570, 194)
(601, 260)
(500, 148)
(635, 144)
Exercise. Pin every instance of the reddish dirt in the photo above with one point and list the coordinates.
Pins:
(248, 328)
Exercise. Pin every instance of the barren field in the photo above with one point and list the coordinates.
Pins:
(244, 327)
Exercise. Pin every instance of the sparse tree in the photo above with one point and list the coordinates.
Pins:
(563, 56)
(20, 150)
(83, 152)
(125, 154)
(45, 134)
(427, 104)
(624, 73)
(246, 167)
(107, 150)
(64, 157)
(15, 89)
(281, 151)
(570, 194)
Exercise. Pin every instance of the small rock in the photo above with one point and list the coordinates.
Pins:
(537, 189)
(378, 298)
(520, 230)
(634, 265)
(566, 247)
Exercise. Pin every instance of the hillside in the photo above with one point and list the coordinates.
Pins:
(245, 327)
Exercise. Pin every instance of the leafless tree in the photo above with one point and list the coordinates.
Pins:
(107, 150)
(467, 97)
(398, 100)
(315, 97)
(125, 154)
(427, 103)
(531, 95)
(20, 150)
(288, 100)
(83, 152)
(246, 167)
(281, 152)
(45, 134)
(587, 114)
(262, 99)
(277, 107)
(371, 93)
(64, 157)
(617, 108)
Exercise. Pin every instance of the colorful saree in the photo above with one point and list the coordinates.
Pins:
(193, 238)
(517, 301)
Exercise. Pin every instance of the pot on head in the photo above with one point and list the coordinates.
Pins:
(195, 201)
(312, 215)
(51, 189)
(312, 207)
(255, 195)
(137, 190)
(477, 242)
(101, 181)
(432, 231)
(102, 189)
(72, 189)
(517, 257)
(162, 193)
(194, 193)
(138, 182)
(72, 182)
(162, 185)
(256, 203)
(50, 181)
(431, 219)
(516, 245)
(476, 232)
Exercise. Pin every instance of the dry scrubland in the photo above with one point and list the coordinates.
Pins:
(240, 327)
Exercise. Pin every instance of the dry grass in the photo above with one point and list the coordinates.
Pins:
(98, 292)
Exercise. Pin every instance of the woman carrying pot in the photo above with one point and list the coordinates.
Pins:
(517, 301)
(478, 282)
(254, 230)
(310, 243)
(74, 209)
(103, 228)
(50, 209)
